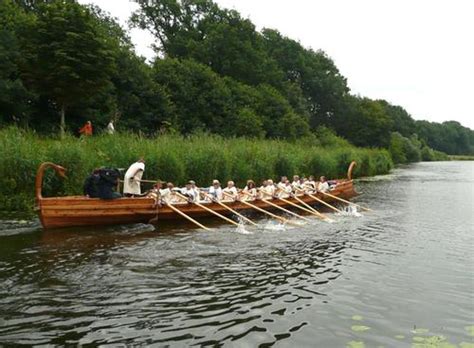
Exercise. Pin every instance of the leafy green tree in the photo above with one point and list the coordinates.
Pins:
(68, 57)
(15, 99)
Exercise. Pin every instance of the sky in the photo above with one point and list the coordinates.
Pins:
(415, 53)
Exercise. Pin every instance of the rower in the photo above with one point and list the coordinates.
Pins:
(310, 184)
(296, 182)
(249, 191)
(215, 191)
(268, 191)
(285, 190)
(190, 192)
(323, 185)
(155, 191)
(281, 185)
(230, 190)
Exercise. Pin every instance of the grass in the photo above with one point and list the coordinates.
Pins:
(171, 158)
(461, 157)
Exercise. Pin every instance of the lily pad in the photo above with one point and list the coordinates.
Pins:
(357, 317)
(470, 329)
(431, 342)
(359, 328)
(420, 331)
(356, 344)
(466, 345)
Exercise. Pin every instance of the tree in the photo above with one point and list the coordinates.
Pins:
(68, 55)
(15, 99)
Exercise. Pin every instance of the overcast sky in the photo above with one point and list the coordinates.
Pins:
(415, 53)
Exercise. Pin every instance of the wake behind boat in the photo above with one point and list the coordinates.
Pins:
(71, 211)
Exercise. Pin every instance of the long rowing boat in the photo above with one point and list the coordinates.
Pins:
(69, 211)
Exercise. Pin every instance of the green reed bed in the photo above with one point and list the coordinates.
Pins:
(171, 158)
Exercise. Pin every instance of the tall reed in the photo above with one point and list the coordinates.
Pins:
(169, 157)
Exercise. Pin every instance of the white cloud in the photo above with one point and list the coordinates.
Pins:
(414, 53)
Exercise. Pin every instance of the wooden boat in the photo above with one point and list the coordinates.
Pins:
(55, 212)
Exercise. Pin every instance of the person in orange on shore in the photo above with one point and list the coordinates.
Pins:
(86, 130)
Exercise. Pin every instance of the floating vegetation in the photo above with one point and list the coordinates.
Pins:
(356, 344)
(419, 331)
(466, 345)
(359, 328)
(470, 329)
(357, 317)
(431, 342)
(400, 337)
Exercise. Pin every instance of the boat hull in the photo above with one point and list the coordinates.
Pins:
(71, 211)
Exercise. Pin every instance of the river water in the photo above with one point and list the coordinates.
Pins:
(400, 276)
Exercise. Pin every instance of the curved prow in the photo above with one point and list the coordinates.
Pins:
(351, 168)
(39, 177)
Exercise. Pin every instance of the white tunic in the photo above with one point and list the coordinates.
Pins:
(232, 191)
(110, 128)
(215, 192)
(165, 195)
(191, 193)
(131, 180)
(268, 192)
(323, 186)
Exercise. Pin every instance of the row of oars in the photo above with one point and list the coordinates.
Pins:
(304, 207)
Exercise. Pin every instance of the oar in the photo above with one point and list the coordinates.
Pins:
(230, 209)
(318, 214)
(286, 210)
(147, 181)
(343, 200)
(282, 219)
(209, 210)
(186, 216)
(298, 206)
(321, 201)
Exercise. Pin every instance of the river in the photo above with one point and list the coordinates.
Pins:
(400, 276)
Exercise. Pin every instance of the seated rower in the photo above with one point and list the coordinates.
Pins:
(285, 190)
(230, 192)
(190, 192)
(296, 182)
(323, 185)
(155, 191)
(215, 191)
(268, 191)
(310, 184)
(250, 191)
(196, 189)
(281, 185)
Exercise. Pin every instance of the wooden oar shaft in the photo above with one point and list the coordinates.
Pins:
(318, 214)
(209, 210)
(186, 216)
(147, 181)
(297, 206)
(232, 210)
(262, 210)
(345, 201)
(286, 210)
(323, 202)
(265, 211)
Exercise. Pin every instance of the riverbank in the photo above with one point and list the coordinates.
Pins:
(171, 158)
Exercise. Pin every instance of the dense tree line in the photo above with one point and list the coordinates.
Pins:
(62, 63)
